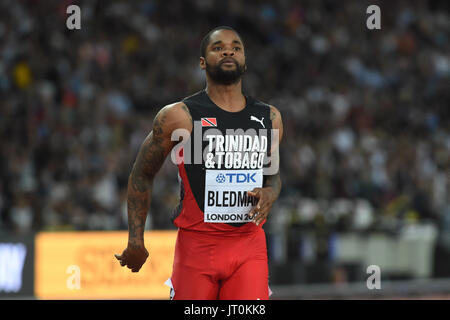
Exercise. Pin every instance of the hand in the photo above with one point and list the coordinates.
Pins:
(133, 256)
(266, 199)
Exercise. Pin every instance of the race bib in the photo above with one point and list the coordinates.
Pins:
(226, 199)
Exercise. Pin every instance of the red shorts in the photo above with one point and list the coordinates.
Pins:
(210, 267)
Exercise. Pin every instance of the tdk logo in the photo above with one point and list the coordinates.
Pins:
(220, 178)
(236, 177)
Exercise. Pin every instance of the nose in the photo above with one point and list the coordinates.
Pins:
(228, 52)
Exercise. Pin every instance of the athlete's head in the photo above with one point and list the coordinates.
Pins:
(222, 55)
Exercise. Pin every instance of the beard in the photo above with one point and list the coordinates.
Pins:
(225, 77)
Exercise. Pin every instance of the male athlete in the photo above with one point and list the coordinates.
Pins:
(220, 251)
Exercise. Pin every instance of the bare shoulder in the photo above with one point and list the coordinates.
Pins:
(275, 117)
(274, 113)
(174, 116)
(177, 110)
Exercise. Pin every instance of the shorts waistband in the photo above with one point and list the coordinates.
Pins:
(221, 234)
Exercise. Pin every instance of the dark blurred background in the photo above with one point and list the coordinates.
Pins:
(365, 160)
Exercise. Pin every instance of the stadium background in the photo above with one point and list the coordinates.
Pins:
(364, 162)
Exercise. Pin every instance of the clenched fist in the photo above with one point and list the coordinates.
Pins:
(134, 256)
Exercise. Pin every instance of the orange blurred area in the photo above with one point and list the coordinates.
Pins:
(81, 265)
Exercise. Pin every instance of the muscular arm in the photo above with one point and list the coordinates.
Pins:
(149, 160)
(270, 191)
(151, 156)
(274, 181)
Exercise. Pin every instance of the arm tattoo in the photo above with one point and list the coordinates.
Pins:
(273, 115)
(273, 181)
(186, 110)
(149, 160)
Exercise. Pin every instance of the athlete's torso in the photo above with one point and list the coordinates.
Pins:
(223, 158)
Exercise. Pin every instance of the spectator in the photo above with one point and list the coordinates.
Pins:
(366, 113)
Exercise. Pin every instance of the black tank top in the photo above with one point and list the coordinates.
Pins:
(223, 158)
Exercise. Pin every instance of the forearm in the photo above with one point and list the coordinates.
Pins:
(273, 182)
(138, 204)
(151, 156)
(148, 162)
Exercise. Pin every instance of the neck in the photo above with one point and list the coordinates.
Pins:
(228, 97)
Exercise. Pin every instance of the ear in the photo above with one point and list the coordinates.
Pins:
(202, 63)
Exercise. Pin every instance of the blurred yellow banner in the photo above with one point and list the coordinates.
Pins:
(81, 265)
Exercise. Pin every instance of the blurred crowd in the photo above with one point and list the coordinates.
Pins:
(366, 112)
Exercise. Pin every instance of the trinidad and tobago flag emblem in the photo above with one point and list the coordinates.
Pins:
(209, 122)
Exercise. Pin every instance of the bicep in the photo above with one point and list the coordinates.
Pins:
(277, 122)
(155, 147)
(158, 144)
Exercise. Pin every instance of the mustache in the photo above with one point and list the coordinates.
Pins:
(225, 60)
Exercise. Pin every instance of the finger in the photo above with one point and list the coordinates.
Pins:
(259, 206)
(255, 192)
(264, 203)
(260, 218)
(264, 214)
(265, 207)
(135, 267)
(261, 212)
(253, 212)
(121, 259)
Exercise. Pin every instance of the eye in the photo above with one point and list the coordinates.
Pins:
(217, 48)
(237, 48)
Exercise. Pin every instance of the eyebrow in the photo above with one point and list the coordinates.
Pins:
(220, 41)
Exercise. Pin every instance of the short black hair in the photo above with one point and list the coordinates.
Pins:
(207, 38)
